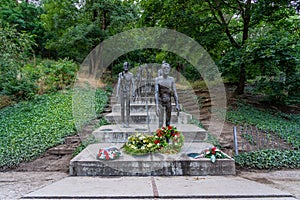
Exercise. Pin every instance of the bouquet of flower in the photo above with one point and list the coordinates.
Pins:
(213, 153)
(110, 153)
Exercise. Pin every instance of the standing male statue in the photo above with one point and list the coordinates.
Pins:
(125, 89)
(164, 89)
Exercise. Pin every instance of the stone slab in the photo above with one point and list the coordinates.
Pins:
(192, 187)
(142, 118)
(86, 164)
(115, 133)
(139, 107)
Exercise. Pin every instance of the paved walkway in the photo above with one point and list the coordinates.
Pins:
(217, 187)
(279, 185)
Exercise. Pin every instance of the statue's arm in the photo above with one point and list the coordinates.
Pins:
(118, 86)
(175, 94)
(156, 95)
(133, 86)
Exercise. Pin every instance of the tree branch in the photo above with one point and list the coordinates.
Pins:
(225, 25)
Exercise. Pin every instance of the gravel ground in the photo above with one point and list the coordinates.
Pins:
(14, 184)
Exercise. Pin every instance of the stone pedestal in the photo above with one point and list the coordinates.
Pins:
(155, 164)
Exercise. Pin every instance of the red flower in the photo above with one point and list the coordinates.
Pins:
(170, 127)
(156, 141)
(106, 155)
(213, 150)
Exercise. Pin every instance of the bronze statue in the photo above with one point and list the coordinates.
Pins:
(125, 89)
(165, 88)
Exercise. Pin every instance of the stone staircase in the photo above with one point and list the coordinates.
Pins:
(154, 164)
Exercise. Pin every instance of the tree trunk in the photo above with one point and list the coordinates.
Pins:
(242, 80)
(246, 17)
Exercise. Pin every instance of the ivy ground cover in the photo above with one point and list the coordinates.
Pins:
(29, 128)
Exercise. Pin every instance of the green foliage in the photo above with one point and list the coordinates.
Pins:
(88, 104)
(51, 76)
(25, 17)
(75, 32)
(191, 73)
(29, 128)
(249, 138)
(47, 76)
(286, 126)
(15, 49)
(269, 159)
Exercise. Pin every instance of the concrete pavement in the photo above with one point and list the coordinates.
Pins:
(149, 187)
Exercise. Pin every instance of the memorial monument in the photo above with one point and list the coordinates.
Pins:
(165, 88)
(125, 90)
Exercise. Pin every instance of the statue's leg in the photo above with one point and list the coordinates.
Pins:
(161, 116)
(122, 109)
(127, 111)
(168, 113)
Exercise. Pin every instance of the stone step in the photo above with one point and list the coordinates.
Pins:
(155, 164)
(139, 107)
(72, 139)
(117, 134)
(190, 103)
(142, 118)
(60, 150)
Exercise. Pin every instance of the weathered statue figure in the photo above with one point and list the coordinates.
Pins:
(125, 90)
(159, 72)
(164, 89)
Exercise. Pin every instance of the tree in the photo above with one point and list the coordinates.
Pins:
(25, 17)
(15, 50)
(222, 27)
(77, 28)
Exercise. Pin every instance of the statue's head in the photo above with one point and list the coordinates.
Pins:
(126, 66)
(165, 68)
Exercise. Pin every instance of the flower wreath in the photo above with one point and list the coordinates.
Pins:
(139, 144)
(169, 139)
(165, 140)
